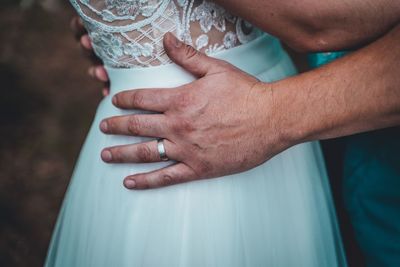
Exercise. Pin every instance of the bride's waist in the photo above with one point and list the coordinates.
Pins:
(254, 57)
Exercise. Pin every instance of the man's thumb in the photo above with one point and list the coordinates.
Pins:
(187, 57)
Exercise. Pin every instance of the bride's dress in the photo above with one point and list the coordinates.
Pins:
(277, 214)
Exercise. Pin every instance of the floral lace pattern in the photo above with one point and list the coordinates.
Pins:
(128, 33)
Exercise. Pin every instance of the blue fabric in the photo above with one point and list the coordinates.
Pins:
(371, 186)
(317, 59)
(372, 194)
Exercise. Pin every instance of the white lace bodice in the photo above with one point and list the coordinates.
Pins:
(128, 33)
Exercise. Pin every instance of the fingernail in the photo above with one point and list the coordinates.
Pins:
(114, 100)
(106, 155)
(129, 183)
(104, 126)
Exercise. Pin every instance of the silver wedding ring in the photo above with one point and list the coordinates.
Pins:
(161, 150)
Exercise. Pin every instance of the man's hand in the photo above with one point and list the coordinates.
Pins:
(220, 124)
(96, 71)
(227, 121)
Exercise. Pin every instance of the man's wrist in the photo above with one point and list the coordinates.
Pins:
(289, 114)
(283, 128)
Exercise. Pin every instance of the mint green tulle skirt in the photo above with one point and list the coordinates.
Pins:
(277, 214)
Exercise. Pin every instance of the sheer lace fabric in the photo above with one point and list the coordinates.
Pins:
(128, 33)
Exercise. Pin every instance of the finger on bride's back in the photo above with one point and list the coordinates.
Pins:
(86, 42)
(98, 72)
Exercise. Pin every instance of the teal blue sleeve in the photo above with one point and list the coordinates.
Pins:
(371, 186)
(318, 59)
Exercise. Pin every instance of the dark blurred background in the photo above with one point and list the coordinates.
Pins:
(46, 108)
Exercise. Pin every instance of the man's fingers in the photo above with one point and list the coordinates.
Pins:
(138, 153)
(99, 73)
(159, 100)
(174, 174)
(96, 72)
(150, 125)
(187, 57)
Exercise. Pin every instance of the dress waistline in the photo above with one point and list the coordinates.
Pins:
(254, 57)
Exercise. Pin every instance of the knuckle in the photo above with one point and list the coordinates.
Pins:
(166, 179)
(184, 100)
(133, 125)
(190, 52)
(203, 168)
(137, 99)
(196, 146)
(187, 126)
(144, 153)
(117, 154)
(183, 127)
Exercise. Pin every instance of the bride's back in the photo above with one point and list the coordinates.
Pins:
(128, 33)
(277, 214)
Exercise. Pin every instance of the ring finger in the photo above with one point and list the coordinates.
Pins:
(139, 153)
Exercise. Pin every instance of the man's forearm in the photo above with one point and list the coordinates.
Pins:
(357, 93)
(313, 25)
